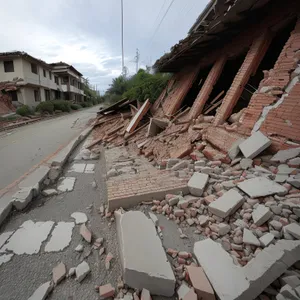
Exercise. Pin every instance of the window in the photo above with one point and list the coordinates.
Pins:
(34, 68)
(65, 80)
(50, 75)
(36, 96)
(9, 66)
(14, 96)
(44, 72)
(47, 95)
(56, 79)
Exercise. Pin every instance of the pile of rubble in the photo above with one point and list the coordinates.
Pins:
(6, 105)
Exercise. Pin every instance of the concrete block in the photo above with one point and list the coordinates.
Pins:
(226, 204)
(200, 283)
(267, 239)
(226, 278)
(145, 264)
(235, 149)
(261, 214)
(197, 184)
(260, 187)
(42, 292)
(232, 282)
(5, 206)
(35, 178)
(255, 144)
(293, 229)
(284, 155)
(22, 198)
(249, 238)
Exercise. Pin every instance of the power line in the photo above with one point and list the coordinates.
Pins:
(157, 17)
(157, 28)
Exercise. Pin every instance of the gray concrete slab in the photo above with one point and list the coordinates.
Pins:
(4, 237)
(35, 178)
(255, 144)
(197, 184)
(66, 184)
(284, 155)
(260, 187)
(153, 273)
(60, 237)
(28, 238)
(42, 292)
(79, 217)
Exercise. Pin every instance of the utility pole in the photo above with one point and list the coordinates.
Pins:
(122, 34)
(137, 59)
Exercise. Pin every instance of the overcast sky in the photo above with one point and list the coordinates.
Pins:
(86, 33)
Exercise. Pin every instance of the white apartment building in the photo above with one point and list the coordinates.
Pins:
(40, 81)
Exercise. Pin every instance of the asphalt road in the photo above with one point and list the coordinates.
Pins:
(24, 147)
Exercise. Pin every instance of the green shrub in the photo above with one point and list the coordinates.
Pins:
(62, 105)
(24, 110)
(83, 104)
(89, 104)
(75, 106)
(46, 106)
(94, 101)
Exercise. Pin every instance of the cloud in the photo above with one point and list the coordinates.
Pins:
(86, 33)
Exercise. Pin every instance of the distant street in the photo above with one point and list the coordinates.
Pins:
(24, 147)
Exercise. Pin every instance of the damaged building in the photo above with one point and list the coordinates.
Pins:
(235, 73)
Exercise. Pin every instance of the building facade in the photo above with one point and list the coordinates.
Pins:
(40, 81)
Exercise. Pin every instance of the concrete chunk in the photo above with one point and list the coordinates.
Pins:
(235, 149)
(246, 163)
(66, 184)
(261, 215)
(255, 144)
(42, 292)
(226, 278)
(22, 198)
(145, 264)
(249, 238)
(35, 178)
(5, 206)
(200, 283)
(267, 239)
(226, 204)
(283, 155)
(197, 184)
(260, 187)
(293, 281)
(59, 273)
(82, 270)
(293, 229)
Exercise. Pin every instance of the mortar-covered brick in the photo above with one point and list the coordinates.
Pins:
(220, 138)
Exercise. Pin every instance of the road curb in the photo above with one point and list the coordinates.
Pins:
(31, 186)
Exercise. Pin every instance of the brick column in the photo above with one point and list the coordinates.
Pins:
(253, 58)
(207, 87)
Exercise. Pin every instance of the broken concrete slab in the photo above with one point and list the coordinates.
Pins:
(294, 162)
(260, 187)
(4, 237)
(66, 184)
(35, 179)
(60, 237)
(22, 198)
(49, 192)
(294, 180)
(154, 218)
(180, 165)
(77, 168)
(235, 149)
(5, 206)
(283, 155)
(246, 163)
(261, 214)
(5, 258)
(59, 273)
(249, 238)
(255, 144)
(226, 278)
(183, 290)
(86, 233)
(267, 239)
(200, 283)
(153, 273)
(89, 169)
(232, 282)
(28, 238)
(42, 292)
(82, 270)
(293, 229)
(226, 204)
(79, 217)
(197, 184)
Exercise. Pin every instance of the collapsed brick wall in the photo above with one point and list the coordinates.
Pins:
(284, 119)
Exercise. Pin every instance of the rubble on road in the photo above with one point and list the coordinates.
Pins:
(79, 217)
(42, 292)
(82, 270)
(106, 291)
(59, 273)
(86, 233)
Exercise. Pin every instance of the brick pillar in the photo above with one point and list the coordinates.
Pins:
(207, 87)
(253, 58)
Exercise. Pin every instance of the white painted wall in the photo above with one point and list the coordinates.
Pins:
(18, 70)
(28, 96)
